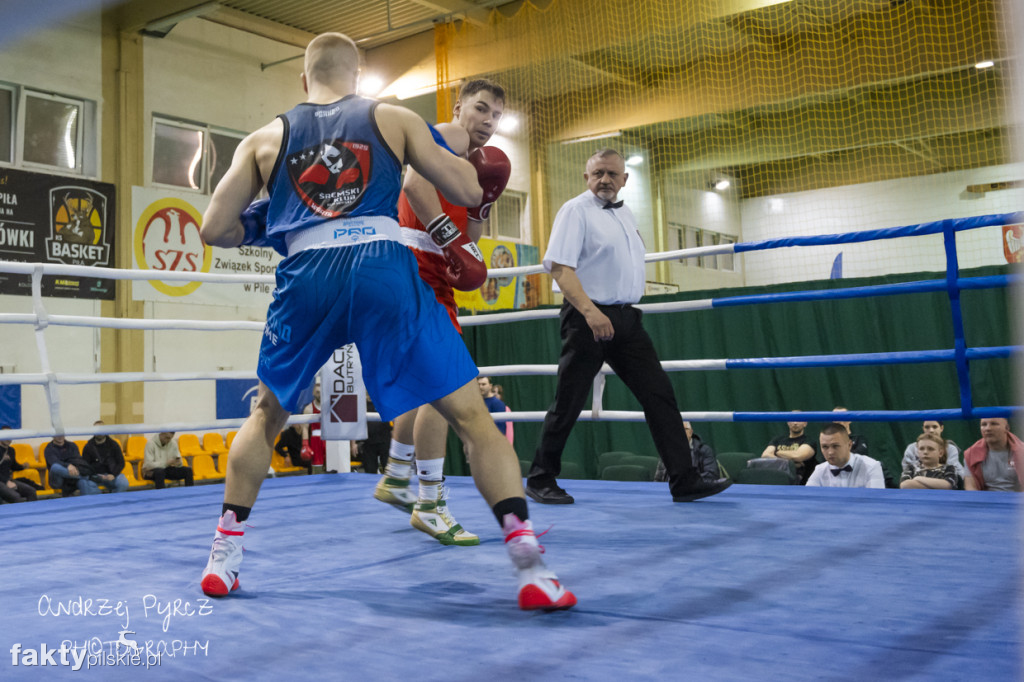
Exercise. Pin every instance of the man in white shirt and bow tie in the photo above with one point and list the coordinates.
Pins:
(841, 468)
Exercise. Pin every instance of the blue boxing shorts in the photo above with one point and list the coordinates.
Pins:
(369, 293)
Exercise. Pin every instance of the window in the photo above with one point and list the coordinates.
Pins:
(178, 155)
(506, 220)
(53, 131)
(710, 239)
(6, 124)
(692, 235)
(191, 155)
(725, 260)
(684, 237)
(222, 148)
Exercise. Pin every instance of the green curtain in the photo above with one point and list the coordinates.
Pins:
(878, 324)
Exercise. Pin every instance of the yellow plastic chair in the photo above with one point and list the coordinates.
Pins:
(25, 455)
(204, 470)
(135, 449)
(213, 444)
(189, 447)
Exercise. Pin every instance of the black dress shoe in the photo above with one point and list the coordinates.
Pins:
(701, 489)
(549, 495)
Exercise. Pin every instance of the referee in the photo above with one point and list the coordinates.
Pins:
(596, 257)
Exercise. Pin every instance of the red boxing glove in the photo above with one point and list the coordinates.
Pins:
(466, 270)
(492, 171)
(307, 452)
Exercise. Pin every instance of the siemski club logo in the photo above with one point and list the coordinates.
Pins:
(167, 238)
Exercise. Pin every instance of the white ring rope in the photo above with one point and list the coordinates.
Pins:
(51, 381)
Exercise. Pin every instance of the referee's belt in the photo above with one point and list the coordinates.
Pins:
(344, 232)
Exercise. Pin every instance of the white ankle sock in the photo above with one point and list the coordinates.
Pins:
(399, 460)
(430, 474)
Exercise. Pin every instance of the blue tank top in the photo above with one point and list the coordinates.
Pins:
(333, 163)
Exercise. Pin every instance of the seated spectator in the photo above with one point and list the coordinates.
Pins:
(796, 447)
(843, 468)
(162, 461)
(910, 458)
(993, 462)
(858, 443)
(859, 446)
(932, 471)
(703, 455)
(66, 466)
(289, 446)
(11, 490)
(107, 461)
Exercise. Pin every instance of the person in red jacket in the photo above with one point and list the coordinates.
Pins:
(995, 461)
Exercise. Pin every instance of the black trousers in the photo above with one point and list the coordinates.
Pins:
(631, 354)
(22, 492)
(171, 474)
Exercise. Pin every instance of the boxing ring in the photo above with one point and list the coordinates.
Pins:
(760, 581)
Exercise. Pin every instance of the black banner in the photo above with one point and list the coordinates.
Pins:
(56, 219)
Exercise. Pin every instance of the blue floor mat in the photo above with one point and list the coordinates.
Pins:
(758, 583)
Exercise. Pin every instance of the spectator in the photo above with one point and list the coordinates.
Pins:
(795, 447)
(162, 461)
(289, 446)
(859, 446)
(11, 490)
(499, 393)
(993, 462)
(910, 458)
(312, 444)
(66, 466)
(858, 443)
(843, 468)
(107, 461)
(933, 471)
(703, 458)
(494, 404)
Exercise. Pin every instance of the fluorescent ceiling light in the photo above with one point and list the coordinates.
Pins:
(634, 160)
(986, 64)
(721, 184)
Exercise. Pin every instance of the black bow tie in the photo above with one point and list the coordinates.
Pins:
(848, 467)
(613, 204)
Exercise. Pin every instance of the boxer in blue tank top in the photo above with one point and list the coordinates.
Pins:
(332, 167)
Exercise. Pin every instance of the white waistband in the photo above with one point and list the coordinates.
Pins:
(418, 239)
(343, 232)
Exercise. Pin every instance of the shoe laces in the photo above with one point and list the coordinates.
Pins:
(442, 506)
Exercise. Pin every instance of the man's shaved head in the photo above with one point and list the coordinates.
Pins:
(331, 58)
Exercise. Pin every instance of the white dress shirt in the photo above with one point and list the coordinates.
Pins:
(602, 245)
(867, 473)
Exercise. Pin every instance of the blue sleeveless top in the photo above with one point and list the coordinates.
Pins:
(333, 163)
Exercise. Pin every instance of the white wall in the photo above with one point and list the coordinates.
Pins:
(718, 211)
(891, 203)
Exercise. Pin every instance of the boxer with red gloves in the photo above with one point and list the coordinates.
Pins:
(443, 237)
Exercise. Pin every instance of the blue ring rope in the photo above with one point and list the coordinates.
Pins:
(923, 286)
(1006, 412)
(936, 227)
(860, 359)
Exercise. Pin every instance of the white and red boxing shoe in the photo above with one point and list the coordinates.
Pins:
(539, 587)
(221, 575)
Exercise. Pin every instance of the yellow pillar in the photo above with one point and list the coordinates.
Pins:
(123, 130)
